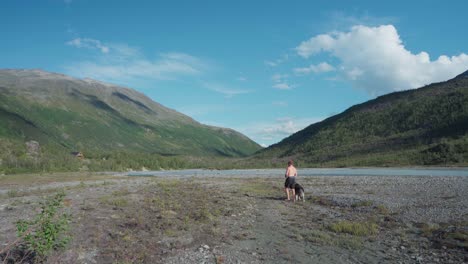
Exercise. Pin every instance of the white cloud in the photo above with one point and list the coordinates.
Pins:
(279, 77)
(374, 59)
(228, 92)
(319, 68)
(281, 82)
(89, 44)
(283, 86)
(268, 133)
(122, 63)
(274, 63)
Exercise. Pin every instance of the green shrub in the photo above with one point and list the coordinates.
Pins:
(354, 228)
(46, 231)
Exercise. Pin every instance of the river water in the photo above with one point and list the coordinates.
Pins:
(304, 172)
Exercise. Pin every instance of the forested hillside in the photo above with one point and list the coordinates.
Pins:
(426, 126)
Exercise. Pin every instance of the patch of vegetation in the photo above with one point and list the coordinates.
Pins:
(260, 188)
(354, 228)
(454, 235)
(47, 231)
(323, 238)
(115, 202)
(364, 203)
(382, 209)
(318, 237)
(161, 215)
(13, 193)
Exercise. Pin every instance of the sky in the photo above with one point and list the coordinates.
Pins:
(264, 68)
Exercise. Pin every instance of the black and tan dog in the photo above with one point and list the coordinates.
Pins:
(299, 190)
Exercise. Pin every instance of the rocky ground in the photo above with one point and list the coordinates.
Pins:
(246, 220)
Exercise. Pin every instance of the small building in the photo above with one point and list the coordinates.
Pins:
(78, 154)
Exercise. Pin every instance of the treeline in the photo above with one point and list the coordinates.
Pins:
(16, 158)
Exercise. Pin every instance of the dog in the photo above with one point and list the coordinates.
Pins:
(300, 195)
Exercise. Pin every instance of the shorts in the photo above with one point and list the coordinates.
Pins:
(290, 182)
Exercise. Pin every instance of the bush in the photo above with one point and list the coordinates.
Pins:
(39, 236)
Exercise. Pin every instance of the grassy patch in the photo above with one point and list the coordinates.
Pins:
(427, 229)
(324, 238)
(354, 228)
(13, 193)
(260, 188)
(382, 209)
(318, 237)
(115, 202)
(364, 203)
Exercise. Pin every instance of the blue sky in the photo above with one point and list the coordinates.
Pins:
(264, 68)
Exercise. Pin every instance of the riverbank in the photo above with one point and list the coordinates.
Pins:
(208, 219)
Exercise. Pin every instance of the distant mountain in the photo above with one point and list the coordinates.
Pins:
(94, 117)
(426, 126)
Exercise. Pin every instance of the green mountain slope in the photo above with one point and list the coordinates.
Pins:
(71, 114)
(426, 126)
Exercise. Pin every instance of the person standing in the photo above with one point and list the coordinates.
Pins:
(290, 175)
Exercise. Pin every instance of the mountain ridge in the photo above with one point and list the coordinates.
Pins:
(425, 126)
(92, 116)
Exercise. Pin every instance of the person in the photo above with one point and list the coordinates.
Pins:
(290, 175)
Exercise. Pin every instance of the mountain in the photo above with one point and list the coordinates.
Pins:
(85, 115)
(425, 126)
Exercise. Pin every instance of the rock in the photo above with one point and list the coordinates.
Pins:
(206, 247)
(33, 148)
(402, 247)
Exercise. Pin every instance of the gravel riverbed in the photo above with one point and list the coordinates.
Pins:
(239, 219)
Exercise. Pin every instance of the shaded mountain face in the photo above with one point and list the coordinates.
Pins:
(425, 126)
(87, 115)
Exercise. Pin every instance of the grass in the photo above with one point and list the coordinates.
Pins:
(317, 236)
(382, 209)
(354, 228)
(324, 238)
(427, 229)
(260, 188)
(13, 193)
(115, 202)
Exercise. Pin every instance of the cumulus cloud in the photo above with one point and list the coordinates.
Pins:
(375, 59)
(319, 68)
(122, 63)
